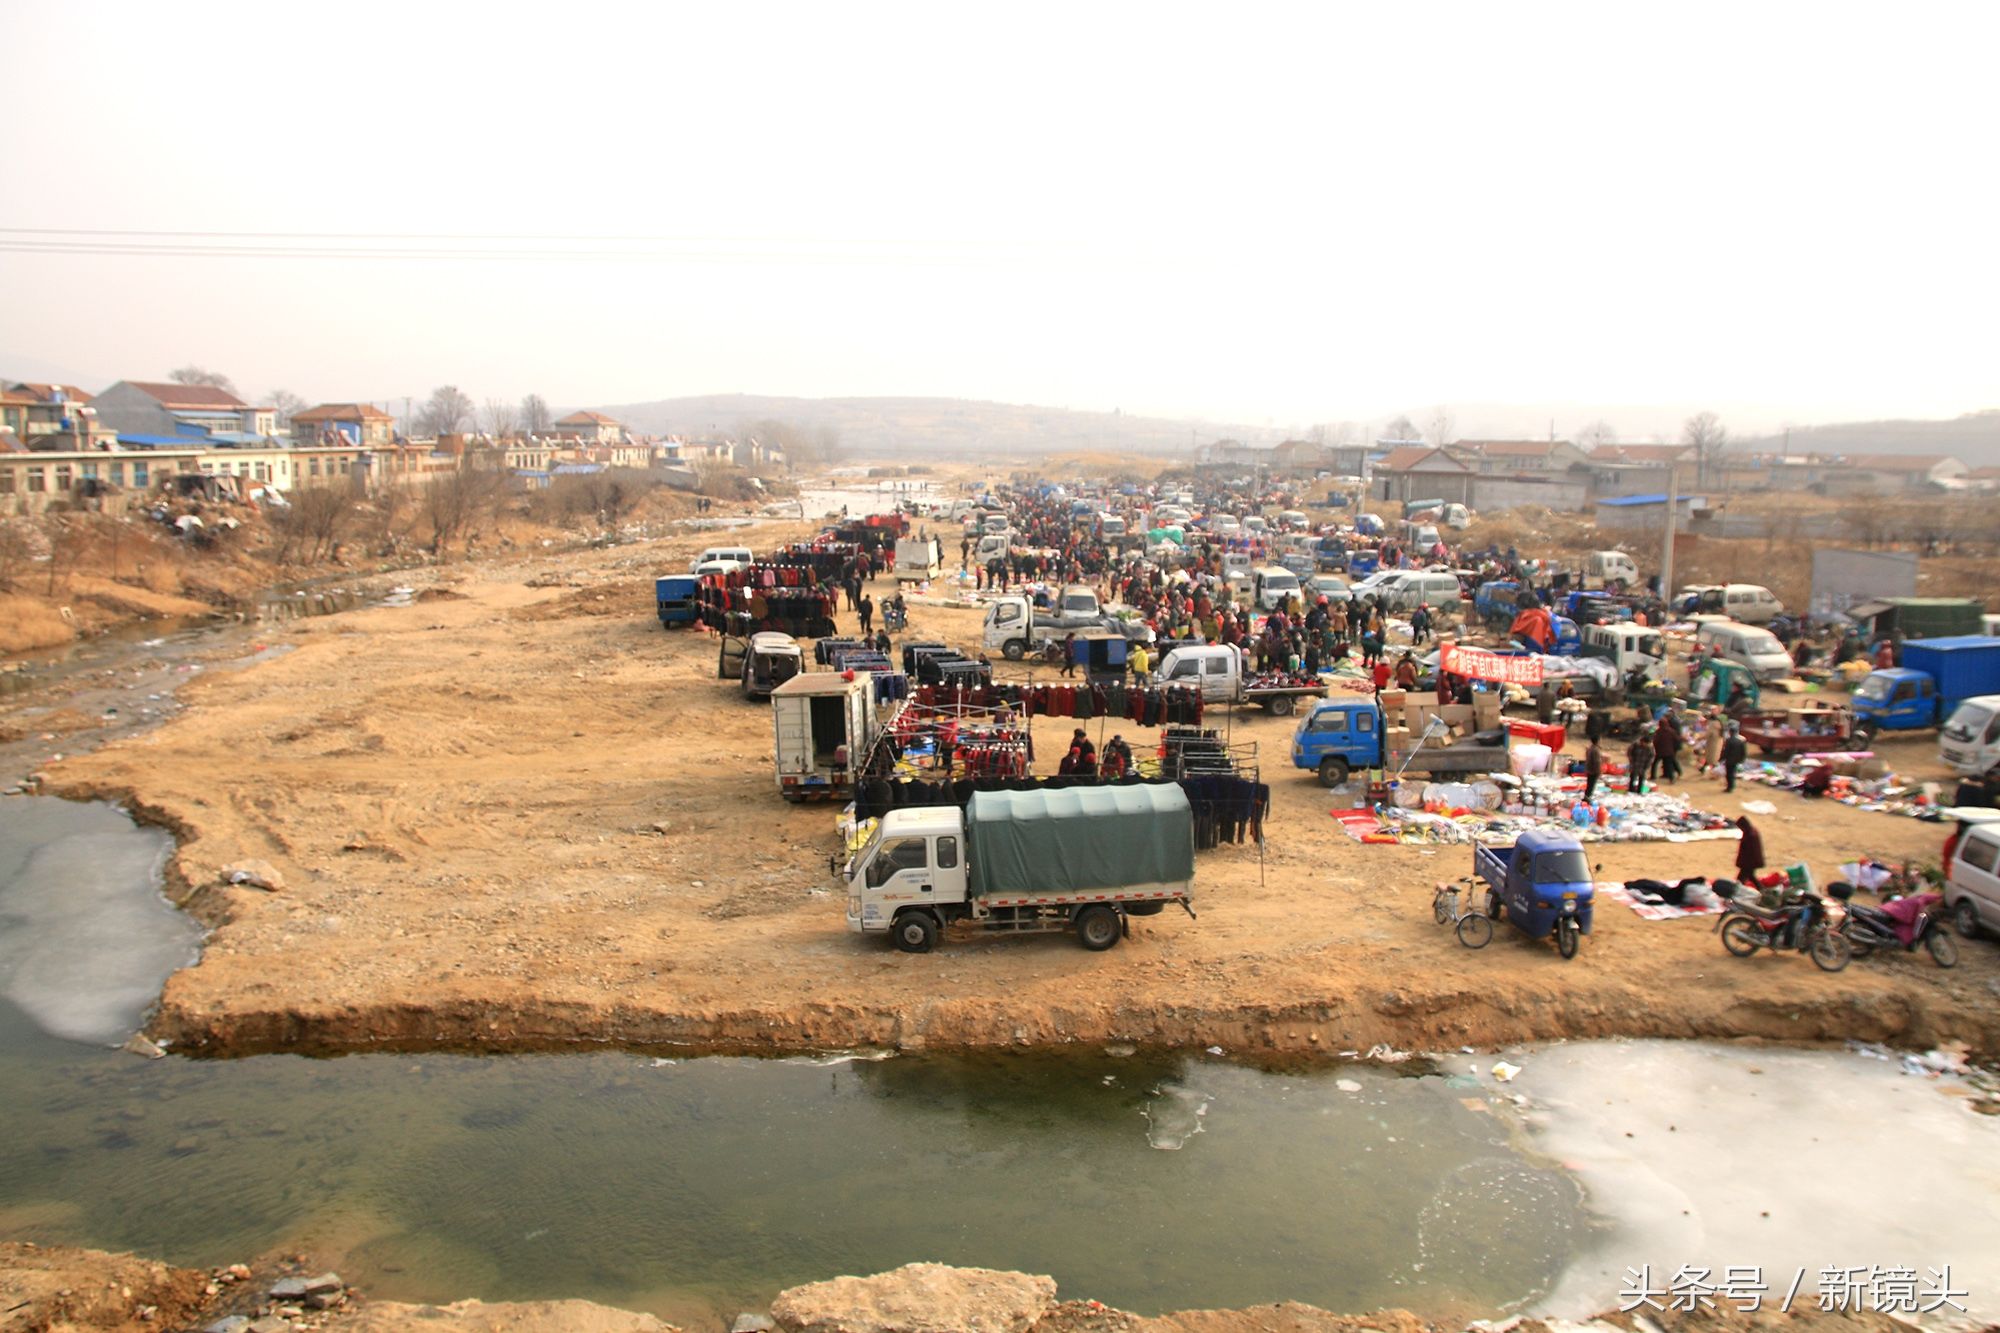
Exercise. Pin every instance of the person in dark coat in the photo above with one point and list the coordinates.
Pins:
(1593, 769)
(1749, 852)
(866, 611)
(1639, 762)
(1733, 752)
(1667, 744)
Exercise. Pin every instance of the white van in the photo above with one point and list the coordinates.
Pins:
(1744, 603)
(1272, 585)
(1407, 589)
(1972, 880)
(739, 556)
(1748, 646)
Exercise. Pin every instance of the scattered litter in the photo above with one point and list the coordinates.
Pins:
(1505, 1072)
(1387, 1054)
(1760, 807)
(1347, 1085)
(1215, 1050)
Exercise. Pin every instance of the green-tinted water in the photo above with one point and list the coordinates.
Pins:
(711, 1184)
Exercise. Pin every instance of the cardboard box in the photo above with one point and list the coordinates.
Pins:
(1486, 710)
(1457, 716)
(1392, 701)
(1418, 705)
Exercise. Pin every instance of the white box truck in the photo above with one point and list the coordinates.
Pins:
(918, 559)
(1082, 858)
(825, 723)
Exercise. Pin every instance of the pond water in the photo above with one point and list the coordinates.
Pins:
(1151, 1181)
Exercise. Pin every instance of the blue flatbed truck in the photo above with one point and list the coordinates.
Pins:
(1937, 676)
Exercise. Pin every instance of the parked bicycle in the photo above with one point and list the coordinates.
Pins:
(1474, 926)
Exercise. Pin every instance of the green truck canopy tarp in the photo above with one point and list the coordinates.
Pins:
(1177, 536)
(1080, 838)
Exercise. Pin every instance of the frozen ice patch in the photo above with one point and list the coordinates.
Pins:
(86, 939)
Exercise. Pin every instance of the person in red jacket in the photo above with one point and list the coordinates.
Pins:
(1382, 673)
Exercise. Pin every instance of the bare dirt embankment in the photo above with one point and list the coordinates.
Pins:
(61, 1289)
(526, 817)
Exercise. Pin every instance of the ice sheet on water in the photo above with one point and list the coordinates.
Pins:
(86, 939)
(1174, 1115)
(1698, 1154)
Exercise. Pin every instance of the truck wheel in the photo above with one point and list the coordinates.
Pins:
(916, 932)
(1098, 928)
(1281, 705)
(1966, 917)
(1014, 650)
(1332, 772)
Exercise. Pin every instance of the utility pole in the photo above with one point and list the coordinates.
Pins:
(1667, 552)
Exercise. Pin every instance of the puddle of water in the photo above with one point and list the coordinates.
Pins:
(86, 939)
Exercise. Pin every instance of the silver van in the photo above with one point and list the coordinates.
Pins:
(1414, 588)
(1972, 880)
(1749, 646)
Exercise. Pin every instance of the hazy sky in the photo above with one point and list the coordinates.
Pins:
(1299, 213)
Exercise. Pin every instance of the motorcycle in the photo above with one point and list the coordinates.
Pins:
(1745, 928)
(1901, 924)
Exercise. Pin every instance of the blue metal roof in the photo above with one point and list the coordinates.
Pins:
(1657, 498)
(577, 469)
(158, 441)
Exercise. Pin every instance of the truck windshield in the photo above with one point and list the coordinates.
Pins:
(1967, 722)
(1281, 582)
(1650, 645)
(1875, 689)
(1566, 867)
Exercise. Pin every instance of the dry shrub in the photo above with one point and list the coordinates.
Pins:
(26, 623)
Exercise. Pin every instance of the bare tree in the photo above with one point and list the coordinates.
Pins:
(1599, 432)
(1707, 435)
(500, 418)
(535, 415)
(192, 374)
(448, 411)
(287, 405)
(1443, 427)
(312, 528)
(1402, 428)
(455, 500)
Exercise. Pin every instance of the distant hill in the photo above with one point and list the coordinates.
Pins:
(958, 428)
(1973, 438)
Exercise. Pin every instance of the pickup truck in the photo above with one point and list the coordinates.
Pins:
(1016, 626)
(1543, 884)
(1343, 734)
(1795, 730)
(1082, 859)
(1218, 669)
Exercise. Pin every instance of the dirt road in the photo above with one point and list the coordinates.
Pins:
(517, 814)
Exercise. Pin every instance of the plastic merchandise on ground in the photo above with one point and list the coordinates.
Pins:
(1889, 793)
(1550, 807)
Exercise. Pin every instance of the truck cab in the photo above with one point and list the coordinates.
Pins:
(1110, 527)
(1970, 740)
(1609, 569)
(1216, 667)
(1014, 625)
(1895, 699)
(1337, 736)
(918, 559)
(1626, 646)
(1271, 585)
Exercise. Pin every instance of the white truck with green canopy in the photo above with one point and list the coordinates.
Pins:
(1082, 858)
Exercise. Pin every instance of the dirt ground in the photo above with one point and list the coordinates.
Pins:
(524, 816)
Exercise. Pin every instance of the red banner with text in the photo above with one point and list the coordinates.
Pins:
(1479, 664)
